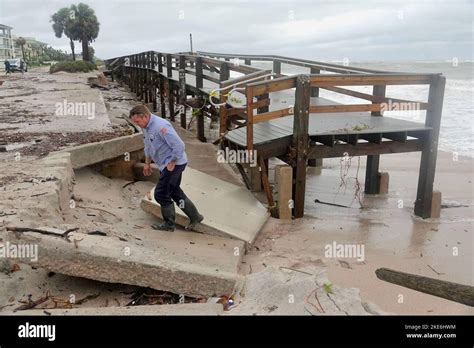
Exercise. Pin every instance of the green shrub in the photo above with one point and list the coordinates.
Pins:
(73, 66)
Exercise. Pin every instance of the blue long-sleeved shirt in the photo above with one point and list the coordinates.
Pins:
(162, 143)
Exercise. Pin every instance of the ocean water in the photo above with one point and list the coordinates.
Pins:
(457, 126)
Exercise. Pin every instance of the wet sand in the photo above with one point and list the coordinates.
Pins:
(393, 237)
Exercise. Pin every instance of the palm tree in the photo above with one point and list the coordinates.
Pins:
(63, 23)
(21, 42)
(85, 27)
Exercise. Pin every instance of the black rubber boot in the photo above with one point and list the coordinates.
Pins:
(191, 211)
(169, 216)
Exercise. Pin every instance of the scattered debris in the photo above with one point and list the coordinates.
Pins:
(32, 304)
(438, 273)
(97, 233)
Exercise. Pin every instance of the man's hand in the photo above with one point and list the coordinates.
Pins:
(170, 166)
(147, 169)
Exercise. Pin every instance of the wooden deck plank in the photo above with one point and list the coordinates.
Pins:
(328, 124)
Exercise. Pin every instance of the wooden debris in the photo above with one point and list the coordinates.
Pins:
(43, 231)
(448, 290)
(32, 304)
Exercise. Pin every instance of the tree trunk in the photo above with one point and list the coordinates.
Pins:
(85, 49)
(72, 50)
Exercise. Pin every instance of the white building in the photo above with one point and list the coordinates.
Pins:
(7, 48)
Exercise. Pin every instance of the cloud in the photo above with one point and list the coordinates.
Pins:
(359, 30)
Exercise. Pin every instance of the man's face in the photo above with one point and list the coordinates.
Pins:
(141, 120)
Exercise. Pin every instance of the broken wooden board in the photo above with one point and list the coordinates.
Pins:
(229, 210)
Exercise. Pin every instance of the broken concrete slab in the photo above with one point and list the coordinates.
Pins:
(173, 309)
(43, 187)
(299, 292)
(229, 210)
(88, 154)
(184, 263)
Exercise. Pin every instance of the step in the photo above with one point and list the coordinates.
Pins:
(229, 210)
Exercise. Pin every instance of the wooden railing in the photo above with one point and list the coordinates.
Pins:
(379, 101)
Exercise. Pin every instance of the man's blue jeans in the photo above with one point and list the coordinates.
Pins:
(167, 189)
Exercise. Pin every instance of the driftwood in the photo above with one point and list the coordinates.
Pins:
(32, 304)
(451, 291)
(42, 231)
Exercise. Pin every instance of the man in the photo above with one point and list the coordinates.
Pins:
(7, 67)
(166, 149)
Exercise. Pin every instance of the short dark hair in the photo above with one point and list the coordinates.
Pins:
(138, 110)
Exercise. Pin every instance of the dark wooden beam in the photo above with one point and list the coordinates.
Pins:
(223, 119)
(321, 151)
(169, 67)
(276, 67)
(315, 90)
(182, 90)
(430, 150)
(300, 142)
(266, 186)
(373, 161)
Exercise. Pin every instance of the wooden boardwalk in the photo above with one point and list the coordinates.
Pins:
(284, 116)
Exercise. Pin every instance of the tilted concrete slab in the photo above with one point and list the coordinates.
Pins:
(173, 309)
(229, 210)
(185, 263)
(87, 154)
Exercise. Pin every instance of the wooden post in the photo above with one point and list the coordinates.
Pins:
(199, 79)
(223, 121)
(266, 186)
(131, 74)
(254, 174)
(162, 95)
(137, 75)
(429, 154)
(277, 67)
(146, 78)
(171, 100)
(169, 67)
(142, 77)
(247, 61)
(160, 62)
(372, 168)
(300, 142)
(249, 95)
(315, 90)
(200, 115)
(283, 185)
(182, 90)
(154, 80)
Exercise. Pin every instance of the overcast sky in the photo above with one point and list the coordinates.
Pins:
(320, 30)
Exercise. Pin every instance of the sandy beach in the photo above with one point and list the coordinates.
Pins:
(386, 227)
